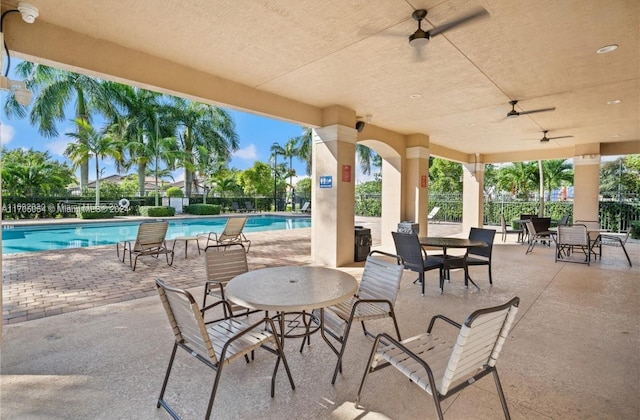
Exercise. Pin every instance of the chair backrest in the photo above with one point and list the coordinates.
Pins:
(542, 224)
(527, 216)
(572, 235)
(485, 235)
(151, 235)
(408, 247)
(233, 228)
(305, 206)
(186, 320)
(222, 263)
(248, 205)
(433, 212)
(563, 220)
(592, 225)
(235, 206)
(531, 229)
(479, 342)
(381, 277)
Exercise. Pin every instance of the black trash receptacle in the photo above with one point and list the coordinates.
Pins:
(362, 243)
(409, 227)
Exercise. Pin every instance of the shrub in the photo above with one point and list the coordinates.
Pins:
(174, 192)
(203, 209)
(94, 212)
(160, 211)
(635, 229)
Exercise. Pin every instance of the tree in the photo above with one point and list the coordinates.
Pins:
(30, 173)
(620, 177)
(139, 111)
(202, 129)
(445, 176)
(54, 90)
(257, 180)
(91, 143)
(519, 178)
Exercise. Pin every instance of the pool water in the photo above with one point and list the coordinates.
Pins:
(18, 239)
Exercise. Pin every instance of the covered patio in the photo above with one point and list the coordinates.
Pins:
(572, 352)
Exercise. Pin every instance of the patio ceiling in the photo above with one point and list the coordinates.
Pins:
(291, 59)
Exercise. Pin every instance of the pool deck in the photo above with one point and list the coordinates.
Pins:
(85, 337)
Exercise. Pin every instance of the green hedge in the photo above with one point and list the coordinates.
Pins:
(160, 211)
(635, 229)
(203, 209)
(95, 213)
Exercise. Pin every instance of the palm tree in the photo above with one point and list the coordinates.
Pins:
(202, 129)
(54, 90)
(91, 143)
(140, 110)
(552, 174)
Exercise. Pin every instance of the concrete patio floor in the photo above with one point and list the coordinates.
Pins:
(88, 339)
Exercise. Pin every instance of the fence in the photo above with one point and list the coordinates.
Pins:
(614, 216)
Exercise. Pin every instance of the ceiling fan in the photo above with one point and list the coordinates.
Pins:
(545, 139)
(421, 37)
(514, 114)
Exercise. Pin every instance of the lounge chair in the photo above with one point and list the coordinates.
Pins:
(149, 241)
(232, 234)
(443, 368)
(305, 207)
(236, 207)
(216, 345)
(432, 216)
(248, 206)
(374, 300)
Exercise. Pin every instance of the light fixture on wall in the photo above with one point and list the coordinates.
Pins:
(22, 95)
(360, 126)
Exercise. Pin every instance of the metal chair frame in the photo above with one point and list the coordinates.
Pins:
(150, 241)
(443, 369)
(375, 299)
(215, 345)
(415, 257)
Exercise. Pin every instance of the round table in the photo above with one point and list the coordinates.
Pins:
(291, 289)
(446, 242)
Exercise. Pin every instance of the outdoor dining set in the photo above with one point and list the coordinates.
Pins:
(245, 310)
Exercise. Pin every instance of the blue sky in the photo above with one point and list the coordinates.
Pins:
(256, 134)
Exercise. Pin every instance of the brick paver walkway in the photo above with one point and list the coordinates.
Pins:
(49, 283)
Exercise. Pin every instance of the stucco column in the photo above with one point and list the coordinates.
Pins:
(472, 195)
(333, 177)
(586, 187)
(416, 183)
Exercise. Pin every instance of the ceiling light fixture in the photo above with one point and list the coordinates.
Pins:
(607, 49)
(614, 102)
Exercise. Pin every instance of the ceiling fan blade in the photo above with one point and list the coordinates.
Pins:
(559, 137)
(533, 111)
(473, 14)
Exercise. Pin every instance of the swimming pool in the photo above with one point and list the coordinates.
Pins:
(17, 239)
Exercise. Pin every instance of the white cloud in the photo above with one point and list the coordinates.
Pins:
(57, 146)
(6, 133)
(249, 153)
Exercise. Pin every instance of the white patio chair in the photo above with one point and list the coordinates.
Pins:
(442, 369)
(615, 241)
(375, 299)
(215, 345)
(569, 239)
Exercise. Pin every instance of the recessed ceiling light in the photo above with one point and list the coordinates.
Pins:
(415, 95)
(614, 102)
(607, 49)
(615, 136)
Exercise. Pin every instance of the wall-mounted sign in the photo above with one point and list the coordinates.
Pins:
(326, 181)
(423, 181)
(346, 173)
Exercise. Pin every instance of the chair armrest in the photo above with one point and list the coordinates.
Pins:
(444, 318)
(220, 302)
(246, 331)
(398, 258)
(388, 339)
